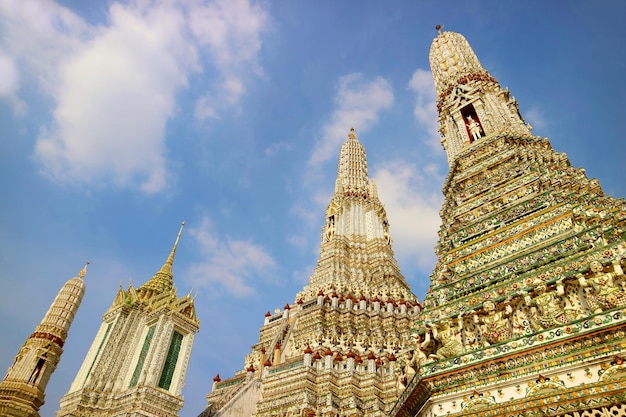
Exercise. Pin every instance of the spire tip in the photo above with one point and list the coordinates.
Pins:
(83, 271)
(167, 267)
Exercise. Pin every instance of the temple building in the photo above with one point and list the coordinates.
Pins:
(22, 390)
(344, 346)
(526, 312)
(137, 363)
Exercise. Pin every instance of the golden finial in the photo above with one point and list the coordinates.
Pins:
(352, 134)
(439, 27)
(167, 267)
(83, 271)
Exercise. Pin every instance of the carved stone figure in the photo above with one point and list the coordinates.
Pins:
(449, 339)
(386, 234)
(496, 326)
(474, 128)
(330, 228)
(548, 304)
(602, 291)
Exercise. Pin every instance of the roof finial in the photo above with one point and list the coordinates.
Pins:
(83, 271)
(439, 27)
(352, 134)
(167, 267)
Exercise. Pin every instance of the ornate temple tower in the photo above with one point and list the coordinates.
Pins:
(526, 313)
(23, 388)
(344, 346)
(137, 363)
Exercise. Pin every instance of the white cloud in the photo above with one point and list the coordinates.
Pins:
(233, 265)
(206, 108)
(359, 101)
(115, 99)
(425, 110)
(300, 241)
(302, 275)
(413, 210)
(535, 117)
(115, 85)
(226, 94)
(311, 213)
(308, 213)
(10, 83)
(231, 30)
(41, 35)
(276, 147)
(9, 77)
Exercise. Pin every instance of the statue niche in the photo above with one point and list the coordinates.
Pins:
(602, 292)
(41, 361)
(447, 336)
(548, 309)
(495, 323)
(330, 228)
(473, 125)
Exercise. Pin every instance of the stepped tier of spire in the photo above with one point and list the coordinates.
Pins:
(346, 341)
(23, 388)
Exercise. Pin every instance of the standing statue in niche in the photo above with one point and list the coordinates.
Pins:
(408, 368)
(474, 128)
(41, 361)
(330, 228)
(546, 306)
(496, 326)
(386, 234)
(448, 336)
(603, 293)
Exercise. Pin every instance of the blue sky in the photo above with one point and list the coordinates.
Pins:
(118, 120)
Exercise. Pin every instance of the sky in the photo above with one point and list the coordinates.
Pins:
(120, 119)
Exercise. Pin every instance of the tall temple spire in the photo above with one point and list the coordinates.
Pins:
(167, 266)
(355, 214)
(23, 388)
(471, 103)
(525, 312)
(163, 280)
(352, 176)
(335, 347)
(138, 360)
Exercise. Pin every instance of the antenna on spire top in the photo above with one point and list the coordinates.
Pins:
(439, 27)
(180, 232)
